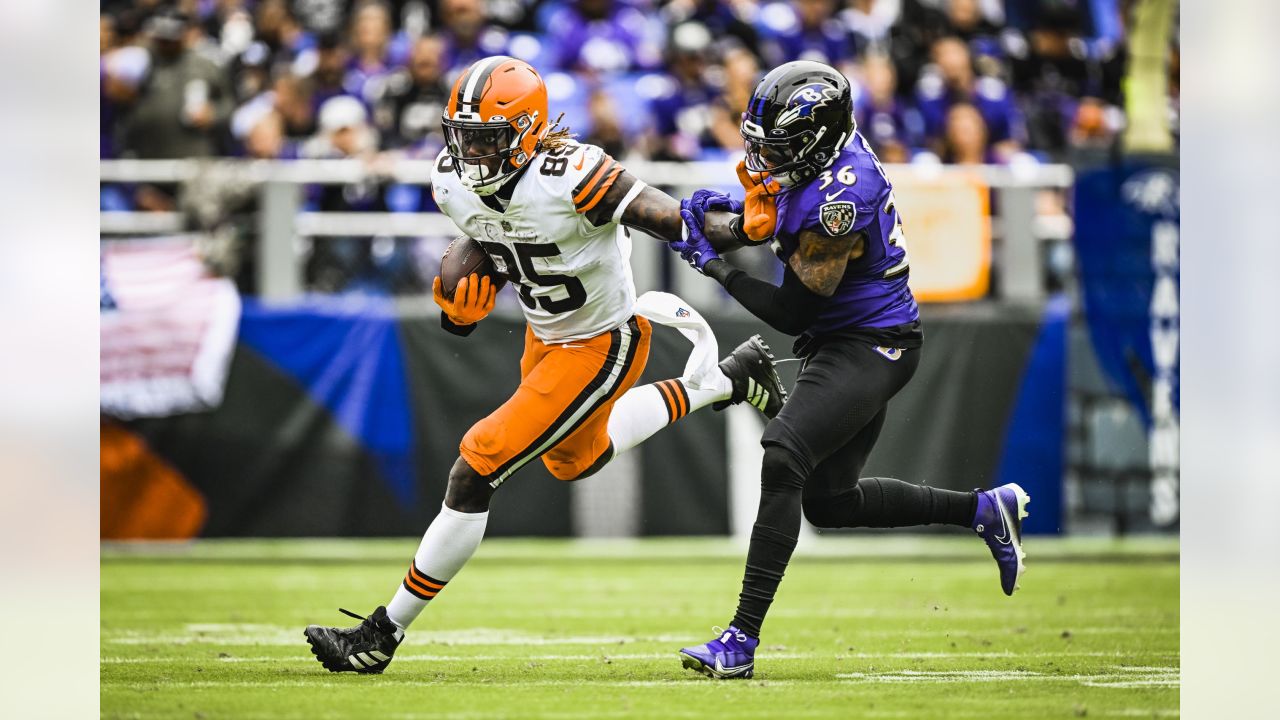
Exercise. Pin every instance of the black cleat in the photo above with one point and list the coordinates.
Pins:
(365, 648)
(755, 379)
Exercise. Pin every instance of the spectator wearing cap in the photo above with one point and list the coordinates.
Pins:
(732, 20)
(468, 35)
(261, 130)
(681, 108)
(413, 100)
(805, 30)
(601, 37)
(344, 130)
(949, 80)
(184, 100)
(890, 125)
(344, 263)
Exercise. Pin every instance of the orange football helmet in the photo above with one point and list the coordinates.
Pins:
(495, 120)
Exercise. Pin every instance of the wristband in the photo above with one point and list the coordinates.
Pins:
(740, 235)
(720, 271)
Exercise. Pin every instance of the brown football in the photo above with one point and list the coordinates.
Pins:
(463, 257)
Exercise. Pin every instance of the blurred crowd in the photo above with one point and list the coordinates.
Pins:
(950, 81)
(958, 80)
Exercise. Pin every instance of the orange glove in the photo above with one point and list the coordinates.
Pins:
(759, 209)
(472, 300)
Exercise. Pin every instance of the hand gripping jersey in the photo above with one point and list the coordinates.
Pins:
(853, 195)
(573, 278)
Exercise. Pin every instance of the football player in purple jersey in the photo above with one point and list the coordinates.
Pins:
(817, 192)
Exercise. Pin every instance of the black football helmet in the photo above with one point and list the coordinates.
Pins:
(798, 118)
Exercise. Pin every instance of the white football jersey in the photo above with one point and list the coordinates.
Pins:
(573, 278)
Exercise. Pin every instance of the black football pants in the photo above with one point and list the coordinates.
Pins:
(815, 450)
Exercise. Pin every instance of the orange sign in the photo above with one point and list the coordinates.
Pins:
(947, 224)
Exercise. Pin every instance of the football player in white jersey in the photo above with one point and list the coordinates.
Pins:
(552, 214)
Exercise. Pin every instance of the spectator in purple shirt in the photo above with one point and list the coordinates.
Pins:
(681, 113)
(890, 125)
(468, 34)
(805, 30)
(371, 57)
(949, 80)
(602, 37)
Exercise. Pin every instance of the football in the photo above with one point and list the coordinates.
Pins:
(463, 257)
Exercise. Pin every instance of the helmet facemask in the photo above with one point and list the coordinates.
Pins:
(798, 118)
(785, 160)
(487, 154)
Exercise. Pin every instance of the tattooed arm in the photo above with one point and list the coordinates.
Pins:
(647, 208)
(820, 261)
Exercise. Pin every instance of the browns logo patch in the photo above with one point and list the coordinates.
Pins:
(837, 217)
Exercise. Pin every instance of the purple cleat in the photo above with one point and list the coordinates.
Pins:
(999, 522)
(731, 655)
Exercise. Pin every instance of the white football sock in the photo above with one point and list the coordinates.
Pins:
(645, 410)
(449, 542)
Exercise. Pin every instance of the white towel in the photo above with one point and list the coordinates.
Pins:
(666, 309)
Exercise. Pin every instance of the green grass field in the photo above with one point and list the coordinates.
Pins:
(881, 627)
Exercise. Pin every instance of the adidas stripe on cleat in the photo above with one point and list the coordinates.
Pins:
(752, 370)
(365, 648)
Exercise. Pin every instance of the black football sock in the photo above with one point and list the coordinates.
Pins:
(890, 503)
(773, 538)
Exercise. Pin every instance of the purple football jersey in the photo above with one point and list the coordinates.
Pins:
(853, 196)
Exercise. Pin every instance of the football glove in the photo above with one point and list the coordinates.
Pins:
(694, 247)
(760, 209)
(472, 300)
(704, 200)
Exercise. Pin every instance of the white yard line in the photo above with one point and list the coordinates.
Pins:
(1126, 677)
(250, 634)
(575, 657)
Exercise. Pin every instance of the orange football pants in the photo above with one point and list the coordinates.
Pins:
(560, 411)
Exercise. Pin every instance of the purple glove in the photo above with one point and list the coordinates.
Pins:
(694, 248)
(704, 200)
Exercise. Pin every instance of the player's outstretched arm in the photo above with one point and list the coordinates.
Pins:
(638, 205)
(811, 276)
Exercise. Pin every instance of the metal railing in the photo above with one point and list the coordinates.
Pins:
(280, 221)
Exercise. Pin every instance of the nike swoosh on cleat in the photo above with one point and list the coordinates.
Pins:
(721, 669)
(1004, 524)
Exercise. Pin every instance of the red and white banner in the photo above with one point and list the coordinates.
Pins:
(168, 329)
